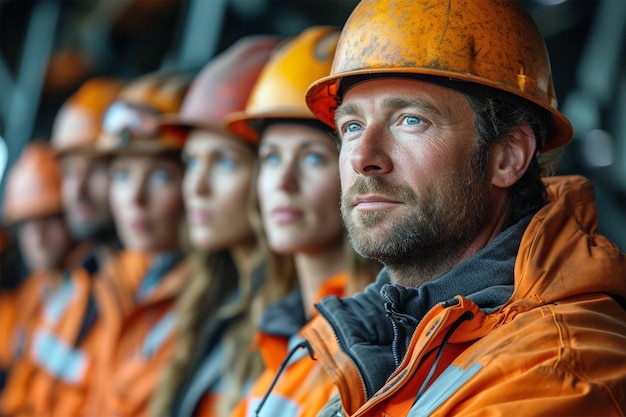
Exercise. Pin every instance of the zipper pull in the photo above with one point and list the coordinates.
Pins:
(398, 319)
(401, 318)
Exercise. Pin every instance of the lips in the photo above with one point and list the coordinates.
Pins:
(372, 202)
(286, 214)
(139, 225)
(198, 216)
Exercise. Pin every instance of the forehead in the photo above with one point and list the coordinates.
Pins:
(201, 140)
(293, 134)
(381, 93)
(144, 163)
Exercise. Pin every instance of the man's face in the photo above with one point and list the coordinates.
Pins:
(44, 243)
(85, 196)
(415, 185)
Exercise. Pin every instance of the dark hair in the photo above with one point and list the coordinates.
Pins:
(494, 119)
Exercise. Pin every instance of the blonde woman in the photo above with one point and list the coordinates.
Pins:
(213, 363)
(299, 190)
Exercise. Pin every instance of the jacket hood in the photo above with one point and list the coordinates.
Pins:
(561, 255)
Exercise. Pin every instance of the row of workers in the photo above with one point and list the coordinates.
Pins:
(497, 296)
(179, 231)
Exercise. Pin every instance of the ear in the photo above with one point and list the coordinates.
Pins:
(512, 156)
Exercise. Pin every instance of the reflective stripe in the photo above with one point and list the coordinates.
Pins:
(58, 302)
(58, 358)
(275, 406)
(158, 334)
(442, 389)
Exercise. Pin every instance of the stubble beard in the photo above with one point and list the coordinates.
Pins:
(435, 231)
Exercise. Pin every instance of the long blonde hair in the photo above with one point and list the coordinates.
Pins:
(214, 276)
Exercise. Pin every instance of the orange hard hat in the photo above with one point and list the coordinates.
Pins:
(224, 85)
(279, 90)
(33, 187)
(77, 125)
(131, 122)
(492, 43)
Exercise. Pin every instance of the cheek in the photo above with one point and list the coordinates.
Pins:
(265, 190)
(99, 186)
(167, 204)
(190, 183)
(325, 195)
(346, 173)
(234, 196)
(117, 199)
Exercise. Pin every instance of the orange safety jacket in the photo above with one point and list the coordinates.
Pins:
(556, 347)
(19, 309)
(302, 388)
(135, 331)
(8, 326)
(28, 301)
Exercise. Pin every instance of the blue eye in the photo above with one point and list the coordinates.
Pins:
(226, 163)
(160, 176)
(120, 175)
(353, 127)
(192, 164)
(270, 158)
(412, 120)
(315, 158)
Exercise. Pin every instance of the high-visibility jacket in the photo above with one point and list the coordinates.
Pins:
(135, 331)
(27, 302)
(19, 307)
(302, 387)
(8, 325)
(557, 347)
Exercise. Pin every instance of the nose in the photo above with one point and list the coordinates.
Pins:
(198, 183)
(288, 176)
(369, 155)
(138, 193)
(82, 186)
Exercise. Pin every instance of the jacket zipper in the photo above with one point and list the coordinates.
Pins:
(396, 317)
(403, 364)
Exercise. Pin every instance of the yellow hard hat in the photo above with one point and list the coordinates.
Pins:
(131, 123)
(492, 43)
(33, 187)
(279, 90)
(77, 125)
(224, 85)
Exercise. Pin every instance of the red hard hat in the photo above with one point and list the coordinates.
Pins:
(224, 85)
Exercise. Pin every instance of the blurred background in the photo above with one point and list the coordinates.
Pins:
(49, 47)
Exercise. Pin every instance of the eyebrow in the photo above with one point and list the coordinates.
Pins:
(390, 103)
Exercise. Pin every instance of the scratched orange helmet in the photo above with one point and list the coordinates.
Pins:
(131, 124)
(492, 43)
(224, 85)
(77, 125)
(279, 91)
(33, 187)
